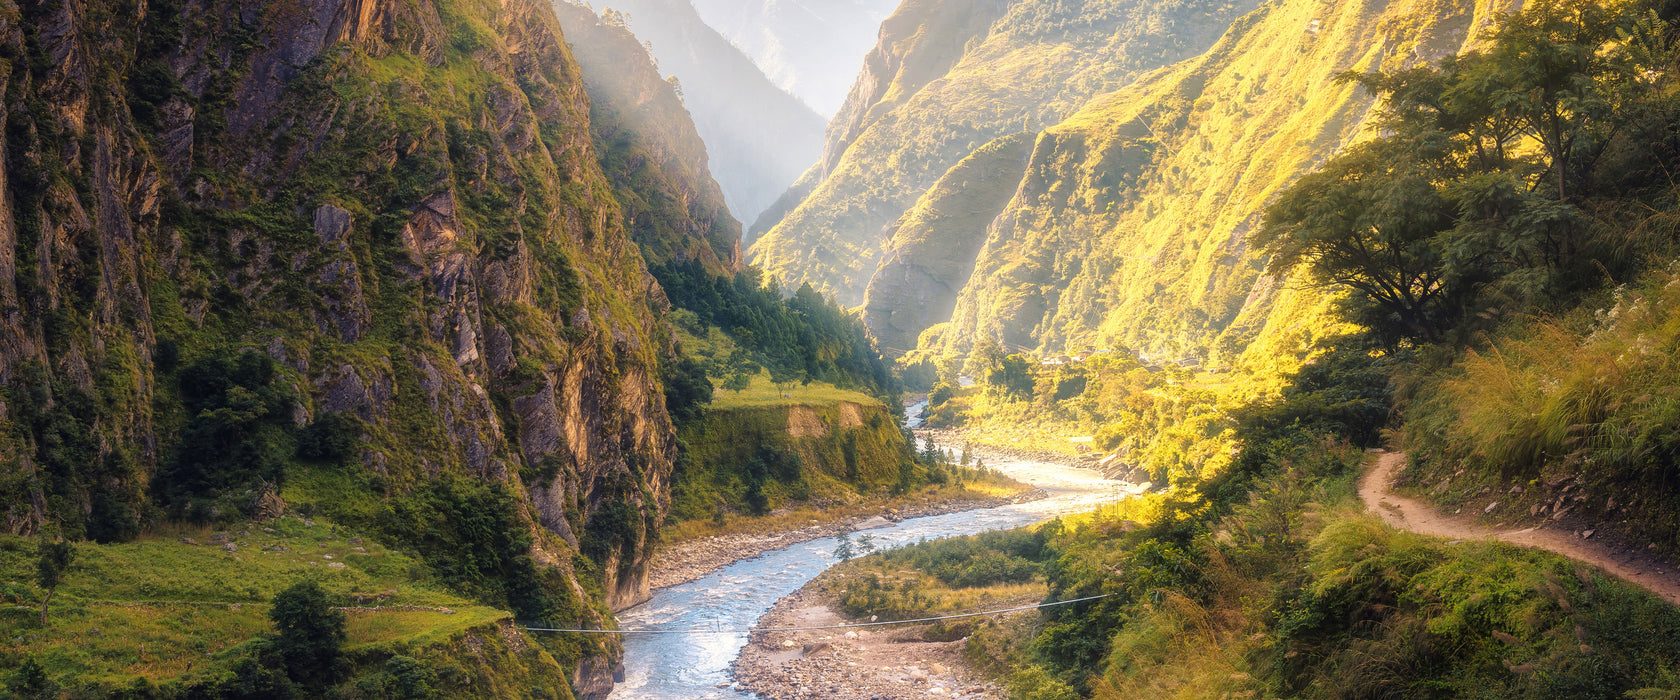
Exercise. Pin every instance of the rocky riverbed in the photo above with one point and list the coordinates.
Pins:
(691, 560)
(872, 663)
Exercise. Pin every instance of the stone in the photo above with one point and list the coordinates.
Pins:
(189, 541)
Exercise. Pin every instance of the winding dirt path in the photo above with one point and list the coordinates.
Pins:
(1418, 516)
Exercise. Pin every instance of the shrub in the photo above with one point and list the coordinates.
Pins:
(331, 438)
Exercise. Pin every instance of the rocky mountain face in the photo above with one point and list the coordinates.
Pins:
(400, 203)
(649, 148)
(759, 138)
(945, 79)
(811, 48)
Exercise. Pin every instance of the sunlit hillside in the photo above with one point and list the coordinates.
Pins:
(947, 78)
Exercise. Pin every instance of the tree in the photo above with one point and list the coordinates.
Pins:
(941, 393)
(52, 559)
(1474, 195)
(738, 370)
(1011, 377)
(410, 678)
(986, 356)
(866, 545)
(1368, 220)
(738, 382)
(843, 549)
(687, 389)
(785, 376)
(311, 634)
(968, 454)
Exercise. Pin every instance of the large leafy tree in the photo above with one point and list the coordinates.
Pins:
(1369, 221)
(1483, 186)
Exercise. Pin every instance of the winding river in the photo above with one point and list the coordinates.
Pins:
(691, 665)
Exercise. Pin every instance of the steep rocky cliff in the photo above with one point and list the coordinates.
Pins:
(400, 203)
(1126, 225)
(945, 79)
(934, 245)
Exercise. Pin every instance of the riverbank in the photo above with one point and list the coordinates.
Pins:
(893, 661)
(981, 447)
(691, 559)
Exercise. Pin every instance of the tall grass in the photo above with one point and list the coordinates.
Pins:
(1594, 396)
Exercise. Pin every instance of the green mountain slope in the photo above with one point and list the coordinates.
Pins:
(934, 245)
(946, 79)
(649, 148)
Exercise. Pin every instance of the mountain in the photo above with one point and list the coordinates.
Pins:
(356, 261)
(759, 138)
(649, 148)
(1128, 228)
(811, 48)
(945, 79)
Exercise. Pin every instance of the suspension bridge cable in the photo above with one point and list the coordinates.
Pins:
(751, 630)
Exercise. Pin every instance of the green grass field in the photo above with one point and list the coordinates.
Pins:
(763, 394)
(161, 608)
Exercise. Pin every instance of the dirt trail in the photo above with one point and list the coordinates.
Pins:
(1418, 516)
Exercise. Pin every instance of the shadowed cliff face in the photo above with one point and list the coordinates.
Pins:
(934, 245)
(649, 149)
(400, 203)
(758, 137)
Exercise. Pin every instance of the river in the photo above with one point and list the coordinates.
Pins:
(693, 665)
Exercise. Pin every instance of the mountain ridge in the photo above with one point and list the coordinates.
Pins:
(759, 137)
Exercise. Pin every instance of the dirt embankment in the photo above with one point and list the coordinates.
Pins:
(1636, 567)
(683, 562)
(890, 661)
